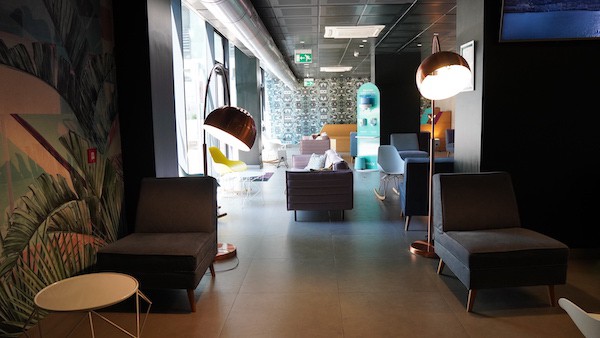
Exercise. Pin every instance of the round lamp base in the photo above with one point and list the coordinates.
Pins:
(225, 251)
(423, 248)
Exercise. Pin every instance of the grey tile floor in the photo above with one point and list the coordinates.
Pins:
(326, 277)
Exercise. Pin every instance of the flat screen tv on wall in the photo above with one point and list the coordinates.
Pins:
(538, 20)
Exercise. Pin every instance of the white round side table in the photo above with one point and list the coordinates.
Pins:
(90, 292)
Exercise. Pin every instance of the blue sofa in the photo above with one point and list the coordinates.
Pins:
(414, 188)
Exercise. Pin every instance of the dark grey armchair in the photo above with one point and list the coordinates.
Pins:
(174, 241)
(478, 235)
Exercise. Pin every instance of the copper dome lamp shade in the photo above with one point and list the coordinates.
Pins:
(440, 76)
(232, 125)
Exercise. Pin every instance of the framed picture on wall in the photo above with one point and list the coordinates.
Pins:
(467, 51)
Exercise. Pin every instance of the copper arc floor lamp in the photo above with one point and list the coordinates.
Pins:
(440, 76)
(232, 125)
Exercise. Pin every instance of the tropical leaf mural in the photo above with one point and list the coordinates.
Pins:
(54, 229)
(55, 232)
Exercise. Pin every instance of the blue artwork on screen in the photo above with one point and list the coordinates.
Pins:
(549, 20)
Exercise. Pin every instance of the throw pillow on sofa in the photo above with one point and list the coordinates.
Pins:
(331, 157)
(315, 162)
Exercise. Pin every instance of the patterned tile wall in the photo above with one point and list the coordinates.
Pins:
(303, 111)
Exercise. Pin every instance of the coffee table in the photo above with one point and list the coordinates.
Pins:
(88, 293)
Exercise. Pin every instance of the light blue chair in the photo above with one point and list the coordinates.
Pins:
(392, 167)
(407, 145)
(353, 145)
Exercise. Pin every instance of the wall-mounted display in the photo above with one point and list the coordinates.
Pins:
(533, 20)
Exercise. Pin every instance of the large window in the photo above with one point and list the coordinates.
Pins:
(202, 47)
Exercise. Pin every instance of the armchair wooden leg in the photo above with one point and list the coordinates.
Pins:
(192, 299)
(295, 217)
(471, 299)
(551, 295)
(406, 223)
(440, 266)
(212, 269)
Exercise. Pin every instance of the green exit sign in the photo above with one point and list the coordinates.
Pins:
(309, 82)
(303, 55)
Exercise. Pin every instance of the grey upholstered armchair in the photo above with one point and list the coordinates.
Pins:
(478, 235)
(175, 238)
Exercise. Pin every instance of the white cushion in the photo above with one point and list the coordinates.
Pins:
(331, 157)
(316, 162)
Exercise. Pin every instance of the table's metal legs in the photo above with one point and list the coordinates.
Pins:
(37, 320)
(138, 329)
(247, 191)
(91, 324)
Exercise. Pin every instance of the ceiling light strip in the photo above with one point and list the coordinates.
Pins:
(352, 32)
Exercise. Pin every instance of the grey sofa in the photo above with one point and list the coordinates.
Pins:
(174, 241)
(478, 235)
(330, 190)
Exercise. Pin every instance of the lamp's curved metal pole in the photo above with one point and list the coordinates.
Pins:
(426, 248)
(434, 86)
(217, 68)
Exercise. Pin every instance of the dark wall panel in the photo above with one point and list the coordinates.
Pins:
(536, 115)
(400, 98)
(248, 97)
(134, 93)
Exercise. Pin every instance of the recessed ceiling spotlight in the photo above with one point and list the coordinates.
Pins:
(419, 44)
(356, 54)
(361, 46)
(364, 40)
